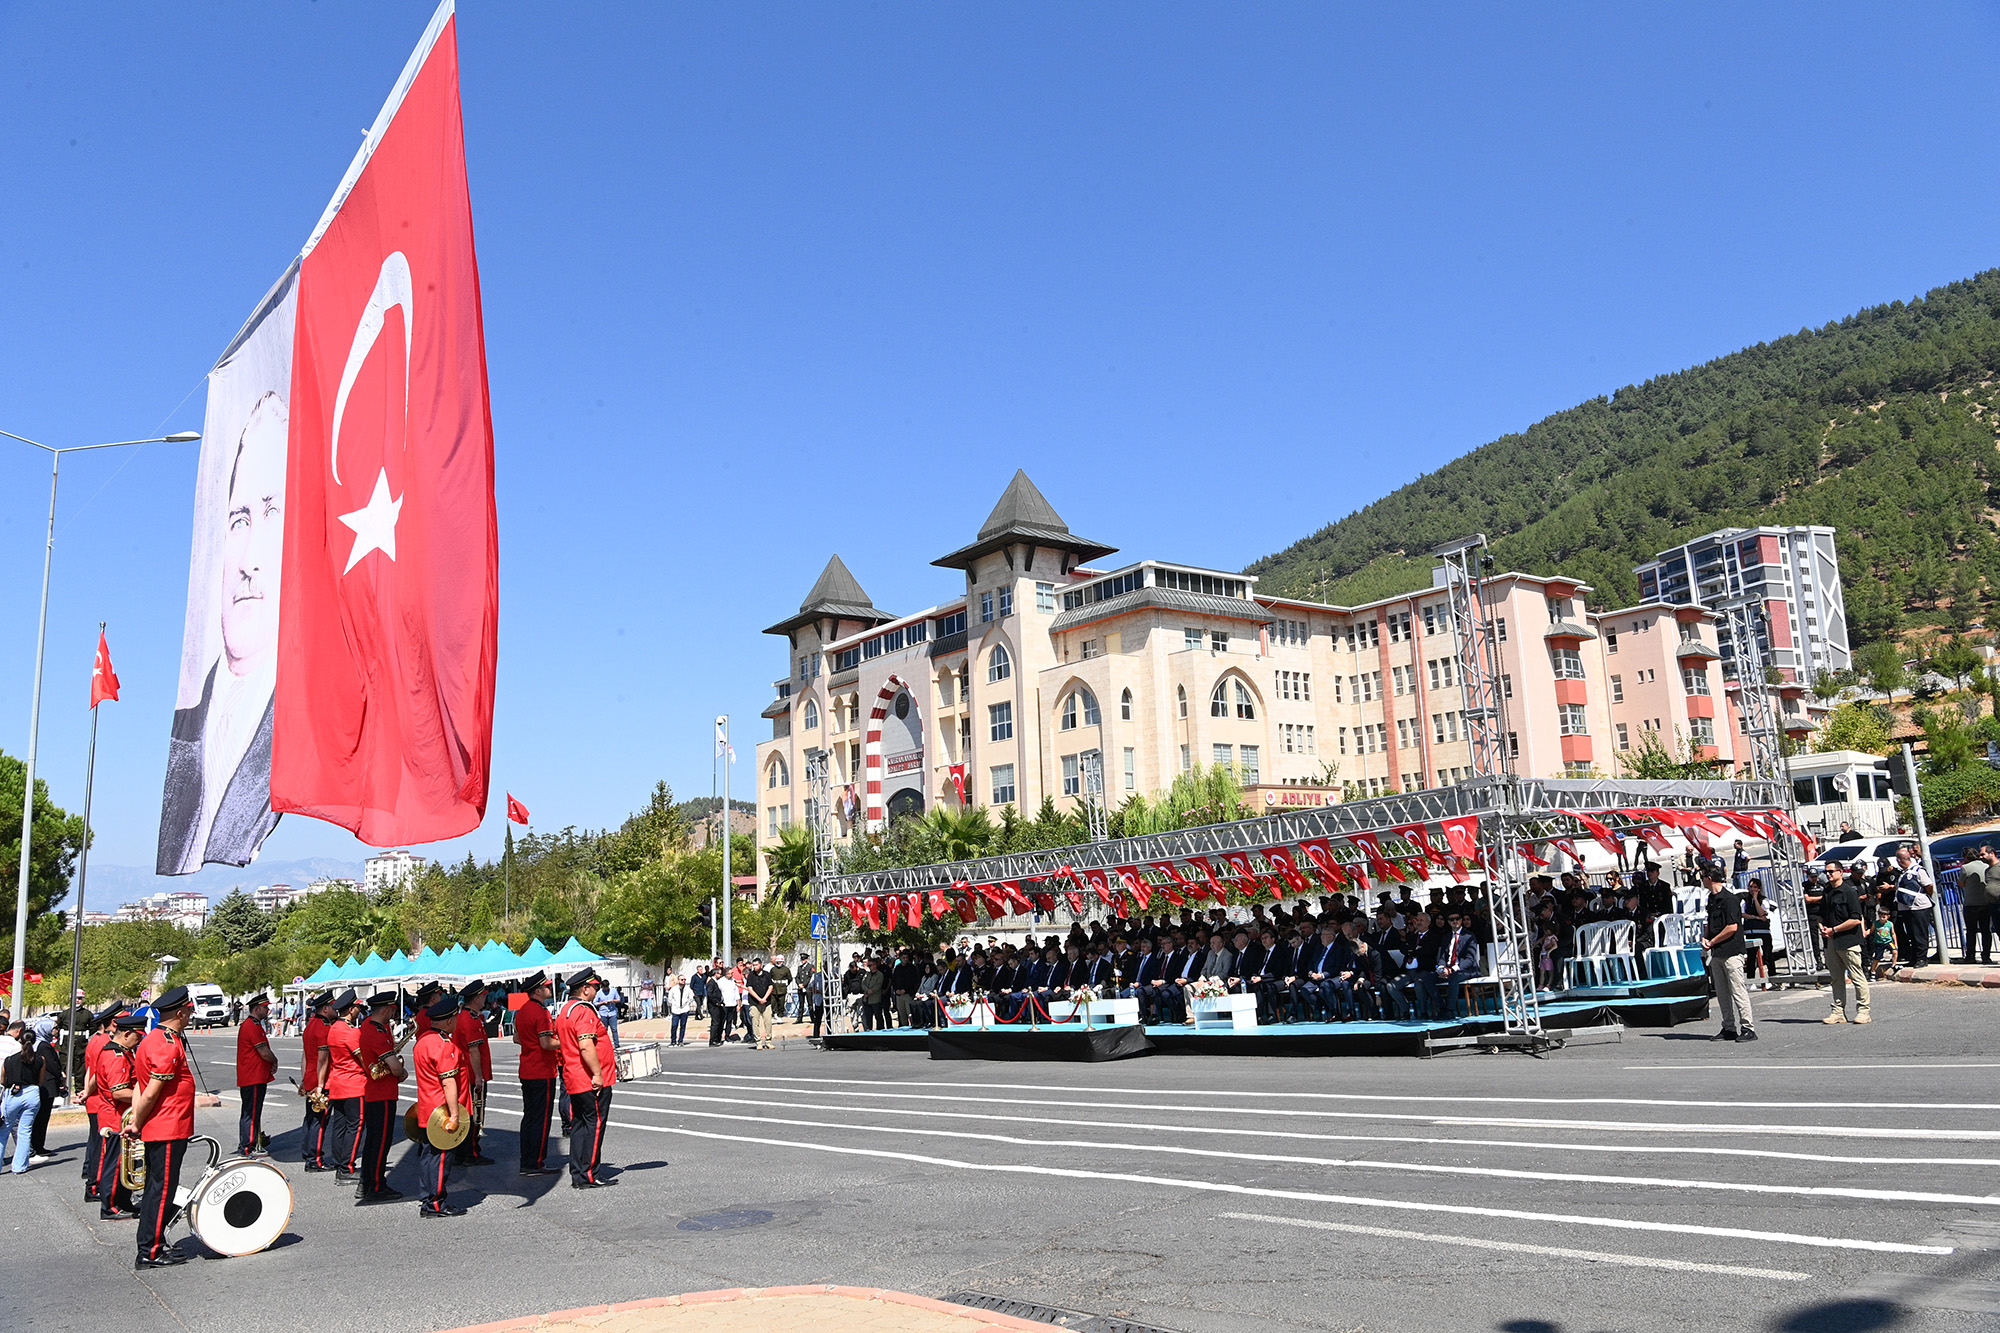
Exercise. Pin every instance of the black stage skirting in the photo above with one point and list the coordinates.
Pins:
(885, 1039)
(1081, 1044)
(1315, 1039)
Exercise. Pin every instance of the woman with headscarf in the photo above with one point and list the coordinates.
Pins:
(52, 1084)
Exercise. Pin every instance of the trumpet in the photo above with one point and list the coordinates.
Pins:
(131, 1160)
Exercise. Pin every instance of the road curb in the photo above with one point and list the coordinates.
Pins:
(1977, 977)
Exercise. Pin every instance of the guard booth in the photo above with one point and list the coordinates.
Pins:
(1842, 785)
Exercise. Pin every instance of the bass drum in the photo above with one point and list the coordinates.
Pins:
(240, 1206)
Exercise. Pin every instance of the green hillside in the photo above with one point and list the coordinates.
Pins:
(1882, 425)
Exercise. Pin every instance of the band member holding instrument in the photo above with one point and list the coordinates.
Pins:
(475, 1066)
(313, 1139)
(590, 1069)
(255, 1068)
(438, 1061)
(541, 1061)
(425, 997)
(343, 1075)
(379, 1094)
(113, 1070)
(92, 1096)
(162, 1117)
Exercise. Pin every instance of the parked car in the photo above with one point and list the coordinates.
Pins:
(211, 1006)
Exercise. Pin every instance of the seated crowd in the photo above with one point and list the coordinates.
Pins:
(1330, 959)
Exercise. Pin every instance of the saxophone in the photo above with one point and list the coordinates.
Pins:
(131, 1160)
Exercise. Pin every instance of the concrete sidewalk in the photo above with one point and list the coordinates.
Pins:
(770, 1310)
(1953, 974)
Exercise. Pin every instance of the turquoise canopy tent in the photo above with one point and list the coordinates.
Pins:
(536, 954)
(327, 971)
(573, 954)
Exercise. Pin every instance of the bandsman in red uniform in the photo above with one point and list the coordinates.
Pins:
(93, 1099)
(312, 1140)
(162, 1118)
(377, 1044)
(427, 995)
(343, 1076)
(476, 1068)
(256, 1066)
(541, 1062)
(590, 1069)
(439, 1062)
(114, 1071)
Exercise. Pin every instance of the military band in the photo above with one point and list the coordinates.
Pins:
(541, 1062)
(475, 1067)
(590, 1069)
(162, 1118)
(92, 1097)
(256, 1066)
(343, 1076)
(439, 1067)
(313, 1134)
(116, 1079)
(383, 1086)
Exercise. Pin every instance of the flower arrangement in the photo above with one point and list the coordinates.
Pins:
(1207, 989)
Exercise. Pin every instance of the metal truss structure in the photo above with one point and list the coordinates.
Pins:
(1093, 794)
(819, 822)
(1485, 717)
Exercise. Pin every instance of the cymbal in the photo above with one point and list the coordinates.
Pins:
(441, 1138)
(410, 1127)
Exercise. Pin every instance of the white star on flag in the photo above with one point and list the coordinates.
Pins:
(374, 524)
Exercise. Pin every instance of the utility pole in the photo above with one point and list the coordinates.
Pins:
(1924, 850)
(728, 757)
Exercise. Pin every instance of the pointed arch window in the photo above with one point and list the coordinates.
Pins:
(778, 774)
(999, 665)
(812, 716)
(1180, 700)
(1245, 708)
(1218, 700)
(1125, 706)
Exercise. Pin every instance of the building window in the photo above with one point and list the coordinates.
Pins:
(1091, 717)
(1506, 686)
(776, 774)
(951, 624)
(947, 690)
(1337, 691)
(1247, 758)
(1092, 648)
(1045, 596)
(1571, 717)
(1190, 637)
(1125, 706)
(1402, 733)
(1006, 602)
(985, 607)
(1611, 641)
(1694, 679)
(1624, 737)
(847, 660)
(1701, 730)
(1068, 722)
(1245, 710)
(1131, 769)
(1312, 742)
(1003, 784)
(1558, 608)
(1513, 745)
(999, 665)
(1000, 721)
(1500, 623)
(770, 821)
(1072, 779)
(1618, 689)
(1340, 739)
(1576, 768)
(1399, 627)
(1187, 759)
(1180, 700)
(1567, 663)
(1442, 669)
(812, 716)
(1218, 700)
(1218, 641)
(1223, 755)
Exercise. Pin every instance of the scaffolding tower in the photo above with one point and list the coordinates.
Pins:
(819, 822)
(1093, 794)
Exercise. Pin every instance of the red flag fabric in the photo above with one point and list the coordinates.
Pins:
(103, 680)
(968, 911)
(1247, 880)
(937, 904)
(1528, 850)
(1567, 846)
(1281, 857)
(1320, 852)
(957, 772)
(1600, 831)
(1378, 867)
(1805, 841)
(1075, 901)
(1654, 837)
(383, 711)
(1101, 886)
(1461, 834)
(1142, 892)
(1419, 841)
(515, 810)
(913, 909)
(892, 911)
(1747, 822)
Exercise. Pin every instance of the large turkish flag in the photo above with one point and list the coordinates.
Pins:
(383, 714)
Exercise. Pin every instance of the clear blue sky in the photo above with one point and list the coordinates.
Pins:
(764, 282)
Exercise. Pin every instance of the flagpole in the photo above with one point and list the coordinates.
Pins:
(82, 876)
(728, 893)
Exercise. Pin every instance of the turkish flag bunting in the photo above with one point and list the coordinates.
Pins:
(1748, 823)
(515, 810)
(1600, 831)
(892, 911)
(1378, 868)
(1281, 857)
(1419, 841)
(1528, 850)
(937, 904)
(1654, 837)
(1045, 901)
(1320, 852)
(1075, 901)
(1567, 846)
(1100, 885)
(1213, 886)
(1173, 873)
(1784, 821)
(968, 911)
(913, 909)
(1142, 893)
(1247, 881)
(1010, 893)
(383, 712)
(103, 680)
(872, 908)
(1461, 834)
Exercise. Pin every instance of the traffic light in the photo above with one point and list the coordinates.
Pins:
(1899, 776)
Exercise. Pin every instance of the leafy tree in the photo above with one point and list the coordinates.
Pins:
(238, 923)
(1652, 759)
(58, 838)
(769, 926)
(1882, 663)
(1959, 660)
(1856, 726)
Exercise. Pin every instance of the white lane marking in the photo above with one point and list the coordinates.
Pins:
(1303, 1196)
(1812, 1067)
(1238, 1132)
(1368, 1097)
(1514, 1247)
(1237, 1154)
(1510, 1122)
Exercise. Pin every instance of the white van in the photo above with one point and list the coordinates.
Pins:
(211, 1006)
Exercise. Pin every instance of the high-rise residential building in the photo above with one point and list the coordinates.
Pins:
(1044, 670)
(1792, 574)
(397, 868)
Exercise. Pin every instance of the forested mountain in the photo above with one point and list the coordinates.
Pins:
(1882, 425)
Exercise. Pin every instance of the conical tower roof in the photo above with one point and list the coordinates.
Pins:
(1023, 516)
(837, 595)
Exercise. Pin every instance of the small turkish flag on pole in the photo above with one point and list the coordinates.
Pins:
(103, 680)
(515, 810)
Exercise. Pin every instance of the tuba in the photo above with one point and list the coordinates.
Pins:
(131, 1160)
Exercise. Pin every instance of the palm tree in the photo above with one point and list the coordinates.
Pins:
(791, 863)
(960, 835)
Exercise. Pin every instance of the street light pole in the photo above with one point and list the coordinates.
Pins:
(35, 704)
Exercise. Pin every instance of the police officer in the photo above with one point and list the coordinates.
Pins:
(590, 1069)
(476, 1066)
(541, 1062)
(93, 1098)
(343, 1076)
(113, 1071)
(162, 1118)
(256, 1066)
(312, 1138)
(439, 1061)
(377, 1045)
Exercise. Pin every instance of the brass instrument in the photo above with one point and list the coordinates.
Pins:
(476, 1105)
(131, 1160)
(380, 1068)
(316, 1100)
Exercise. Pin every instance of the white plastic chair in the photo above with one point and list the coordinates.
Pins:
(1603, 955)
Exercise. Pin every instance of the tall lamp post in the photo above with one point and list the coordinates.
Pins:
(35, 706)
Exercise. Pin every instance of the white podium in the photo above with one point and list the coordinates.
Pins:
(1236, 1012)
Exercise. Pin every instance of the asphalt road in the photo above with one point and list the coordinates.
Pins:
(1824, 1179)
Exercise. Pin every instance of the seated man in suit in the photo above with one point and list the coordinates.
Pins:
(1249, 957)
(1277, 969)
(1458, 961)
(1323, 994)
(1183, 966)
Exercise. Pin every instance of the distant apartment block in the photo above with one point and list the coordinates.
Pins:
(185, 909)
(1792, 573)
(392, 869)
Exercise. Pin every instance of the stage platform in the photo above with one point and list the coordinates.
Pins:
(1664, 1003)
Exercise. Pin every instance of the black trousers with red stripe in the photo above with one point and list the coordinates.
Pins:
(90, 1155)
(111, 1196)
(250, 1124)
(312, 1141)
(156, 1205)
(588, 1111)
(468, 1150)
(538, 1101)
(433, 1170)
(377, 1119)
(345, 1113)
